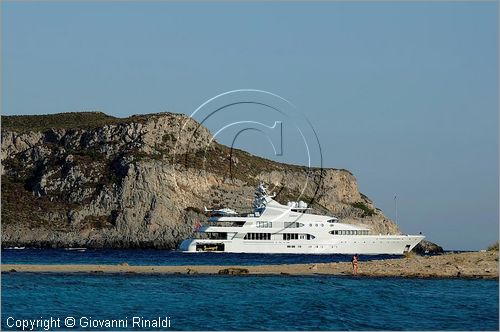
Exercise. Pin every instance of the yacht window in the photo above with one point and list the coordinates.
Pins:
(310, 225)
(322, 225)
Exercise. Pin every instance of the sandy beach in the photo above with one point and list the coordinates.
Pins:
(461, 265)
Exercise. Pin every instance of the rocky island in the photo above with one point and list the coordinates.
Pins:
(95, 181)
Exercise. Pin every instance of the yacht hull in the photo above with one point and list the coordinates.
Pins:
(365, 245)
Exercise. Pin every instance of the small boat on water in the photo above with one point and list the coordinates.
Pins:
(75, 249)
(275, 228)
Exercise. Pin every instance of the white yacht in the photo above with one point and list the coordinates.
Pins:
(275, 228)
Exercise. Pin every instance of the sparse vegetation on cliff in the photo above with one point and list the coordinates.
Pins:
(493, 247)
(71, 120)
(367, 212)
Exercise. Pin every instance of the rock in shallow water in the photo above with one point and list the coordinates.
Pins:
(427, 247)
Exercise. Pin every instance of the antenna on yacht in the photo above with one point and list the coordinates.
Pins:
(396, 207)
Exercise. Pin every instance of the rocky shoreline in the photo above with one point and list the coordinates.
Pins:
(479, 265)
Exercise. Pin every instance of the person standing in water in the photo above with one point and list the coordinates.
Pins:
(355, 264)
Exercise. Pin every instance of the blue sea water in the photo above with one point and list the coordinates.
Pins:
(163, 257)
(248, 302)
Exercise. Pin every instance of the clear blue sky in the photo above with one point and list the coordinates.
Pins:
(405, 95)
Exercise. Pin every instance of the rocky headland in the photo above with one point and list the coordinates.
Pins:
(95, 181)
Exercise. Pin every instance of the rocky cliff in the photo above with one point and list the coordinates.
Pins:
(91, 180)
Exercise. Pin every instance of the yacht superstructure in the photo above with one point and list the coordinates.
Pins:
(275, 228)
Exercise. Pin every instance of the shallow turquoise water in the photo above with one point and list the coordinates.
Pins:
(256, 302)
